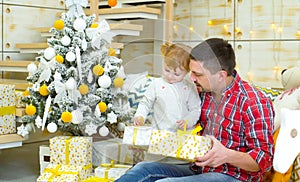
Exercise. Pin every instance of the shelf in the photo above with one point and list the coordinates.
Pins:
(10, 140)
(14, 66)
(19, 84)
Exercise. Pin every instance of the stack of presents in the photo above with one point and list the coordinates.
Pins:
(78, 158)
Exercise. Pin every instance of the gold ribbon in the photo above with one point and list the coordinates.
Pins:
(67, 152)
(7, 110)
(180, 134)
(97, 179)
(108, 166)
(135, 130)
(55, 172)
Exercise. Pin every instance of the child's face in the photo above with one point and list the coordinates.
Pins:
(173, 76)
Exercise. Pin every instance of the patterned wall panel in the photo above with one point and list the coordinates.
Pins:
(261, 62)
(272, 19)
(196, 20)
(20, 23)
(39, 3)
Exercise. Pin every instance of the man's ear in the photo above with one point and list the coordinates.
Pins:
(222, 75)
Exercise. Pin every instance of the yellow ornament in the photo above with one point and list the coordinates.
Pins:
(98, 70)
(102, 106)
(94, 25)
(59, 24)
(26, 93)
(66, 117)
(118, 82)
(83, 89)
(44, 90)
(59, 58)
(30, 110)
(111, 52)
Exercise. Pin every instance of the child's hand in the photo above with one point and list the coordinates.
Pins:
(138, 121)
(181, 124)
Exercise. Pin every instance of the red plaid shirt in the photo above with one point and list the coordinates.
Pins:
(243, 121)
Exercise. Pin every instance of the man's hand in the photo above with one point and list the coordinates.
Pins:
(214, 157)
(180, 124)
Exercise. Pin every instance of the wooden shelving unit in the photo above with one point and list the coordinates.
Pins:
(10, 140)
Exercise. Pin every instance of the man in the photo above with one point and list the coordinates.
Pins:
(237, 117)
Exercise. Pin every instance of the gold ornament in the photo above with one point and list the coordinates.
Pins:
(98, 70)
(118, 82)
(26, 93)
(30, 110)
(112, 3)
(102, 106)
(111, 52)
(59, 58)
(59, 24)
(44, 90)
(94, 25)
(66, 117)
(83, 89)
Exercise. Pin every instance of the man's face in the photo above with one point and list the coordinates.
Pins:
(201, 76)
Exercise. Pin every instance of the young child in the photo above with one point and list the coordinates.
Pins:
(173, 97)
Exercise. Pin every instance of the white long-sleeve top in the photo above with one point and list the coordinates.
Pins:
(170, 103)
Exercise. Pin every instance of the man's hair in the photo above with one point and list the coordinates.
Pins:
(216, 54)
(176, 55)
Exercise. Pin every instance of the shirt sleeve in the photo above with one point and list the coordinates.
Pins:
(259, 130)
(147, 101)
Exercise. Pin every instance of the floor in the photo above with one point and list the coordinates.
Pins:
(20, 164)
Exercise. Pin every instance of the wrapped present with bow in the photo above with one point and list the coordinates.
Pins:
(111, 171)
(57, 172)
(182, 145)
(137, 135)
(71, 150)
(7, 109)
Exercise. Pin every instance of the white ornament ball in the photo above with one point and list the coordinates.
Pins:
(71, 83)
(49, 53)
(31, 68)
(65, 40)
(79, 24)
(70, 56)
(103, 131)
(104, 81)
(52, 127)
(121, 126)
(77, 116)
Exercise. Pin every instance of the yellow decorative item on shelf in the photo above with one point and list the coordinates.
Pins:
(66, 117)
(71, 150)
(57, 172)
(182, 145)
(7, 109)
(111, 171)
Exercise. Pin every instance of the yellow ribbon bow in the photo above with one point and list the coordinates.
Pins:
(180, 133)
(7, 110)
(55, 172)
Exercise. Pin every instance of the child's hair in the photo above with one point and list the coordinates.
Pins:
(176, 55)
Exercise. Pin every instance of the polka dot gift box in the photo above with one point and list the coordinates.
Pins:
(71, 150)
(178, 145)
(7, 109)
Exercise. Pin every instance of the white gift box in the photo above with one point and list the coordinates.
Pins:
(137, 135)
(111, 171)
(44, 157)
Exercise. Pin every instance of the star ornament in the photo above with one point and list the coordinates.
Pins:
(91, 129)
(112, 117)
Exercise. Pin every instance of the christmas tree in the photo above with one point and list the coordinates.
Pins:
(77, 85)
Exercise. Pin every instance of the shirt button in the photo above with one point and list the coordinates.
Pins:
(215, 114)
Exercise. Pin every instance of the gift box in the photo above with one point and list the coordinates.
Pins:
(44, 157)
(111, 170)
(180, 145)
(105, 151)
(7, 109)
(71, 150)
(137, 135)
(58, 173)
